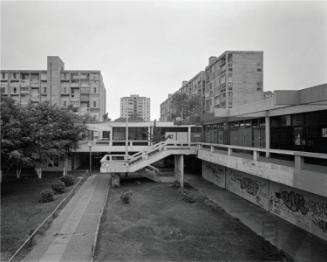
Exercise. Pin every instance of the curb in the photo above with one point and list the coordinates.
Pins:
(95, 241)
(52, 215)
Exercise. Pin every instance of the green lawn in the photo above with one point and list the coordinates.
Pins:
(21, 211)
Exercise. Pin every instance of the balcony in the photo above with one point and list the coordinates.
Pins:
(74, 85)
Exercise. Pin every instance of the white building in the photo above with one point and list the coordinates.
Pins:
(135, 106)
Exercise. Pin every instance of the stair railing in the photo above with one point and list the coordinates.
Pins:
(145, 154)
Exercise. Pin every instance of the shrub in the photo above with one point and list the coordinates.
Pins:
(68, 180)
(126, 197)
(58, 187)
(46, 195)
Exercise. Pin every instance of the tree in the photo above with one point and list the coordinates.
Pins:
(37, 134)
(185, 106)
(105, 117)
(12, 139)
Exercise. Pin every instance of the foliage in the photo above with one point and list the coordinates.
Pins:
(106, 118)
(184, 106)
(36, 134)
(58, 187)
(46, 195)
(126, 197)
(67, 180)
(88, 118)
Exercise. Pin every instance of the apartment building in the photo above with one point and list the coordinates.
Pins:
(82, 91)
(233, 78)
(135, 106)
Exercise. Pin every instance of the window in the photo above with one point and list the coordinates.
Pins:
(65, 103)
(94, 103)
(15, 90)
(95, 90)
(44, 89)
(259, 69)
(65, 90)
(3, 75)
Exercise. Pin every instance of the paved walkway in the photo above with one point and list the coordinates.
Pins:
(300, 245)
(71, 234)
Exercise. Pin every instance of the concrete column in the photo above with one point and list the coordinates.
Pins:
(255, 155)
(229, 151)
(110, 138)
(179, 169)
(149, 136)
(189, 135)
(267, 131)
(299, 162)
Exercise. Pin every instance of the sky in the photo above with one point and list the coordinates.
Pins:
(150, 47)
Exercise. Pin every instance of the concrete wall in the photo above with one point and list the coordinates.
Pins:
(214, 173)
(303, 209)
(313, 181)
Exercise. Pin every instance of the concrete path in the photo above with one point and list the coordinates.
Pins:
(71, 234)
(301, 246)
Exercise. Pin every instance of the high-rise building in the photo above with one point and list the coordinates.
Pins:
(233, 78)
(135, 106)
(83, 91)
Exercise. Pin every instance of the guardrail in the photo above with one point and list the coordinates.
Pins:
(298, 155)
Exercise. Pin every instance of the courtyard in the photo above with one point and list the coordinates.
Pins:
(161, 224)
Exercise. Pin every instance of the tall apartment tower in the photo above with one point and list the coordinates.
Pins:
(135, 106)
(233, 78)
(81, 91)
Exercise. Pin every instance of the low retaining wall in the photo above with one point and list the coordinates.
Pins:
(305, 210)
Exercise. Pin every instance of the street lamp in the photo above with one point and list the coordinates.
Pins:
(90, 160)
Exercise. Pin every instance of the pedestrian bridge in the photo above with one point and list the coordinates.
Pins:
(294, 170)
(114, 163)
(289, 184)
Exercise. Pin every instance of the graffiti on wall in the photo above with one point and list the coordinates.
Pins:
(217, 171)
(251, 188)
(301, 207)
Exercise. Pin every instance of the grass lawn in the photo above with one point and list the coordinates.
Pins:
(21, 211)
(159, 225)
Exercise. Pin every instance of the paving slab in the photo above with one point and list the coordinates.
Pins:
(300, 245)
(71, 234)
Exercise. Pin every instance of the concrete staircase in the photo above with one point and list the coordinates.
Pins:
(112, 164)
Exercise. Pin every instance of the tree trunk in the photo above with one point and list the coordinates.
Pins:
(18, 172)
(38, 172)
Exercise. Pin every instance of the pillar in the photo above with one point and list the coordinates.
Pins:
(299, 162)
(189, 135)
(179, 169)
(149, 136)
(267, 131)
(110, 138)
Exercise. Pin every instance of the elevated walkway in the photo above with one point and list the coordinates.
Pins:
(112, 163)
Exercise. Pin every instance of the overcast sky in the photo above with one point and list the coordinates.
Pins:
(150, 47)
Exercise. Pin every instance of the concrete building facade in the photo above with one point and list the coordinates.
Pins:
(233, 78)
(83, 91)
(135, 106)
